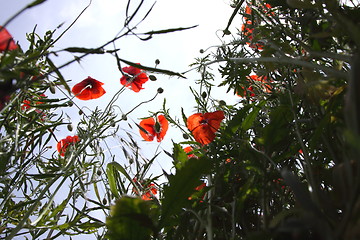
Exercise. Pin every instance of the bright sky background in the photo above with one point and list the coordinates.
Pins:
(101, 22)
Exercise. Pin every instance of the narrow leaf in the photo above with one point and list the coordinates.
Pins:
(167, 72)
(170, 30)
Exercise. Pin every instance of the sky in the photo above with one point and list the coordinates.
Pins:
(101, 22)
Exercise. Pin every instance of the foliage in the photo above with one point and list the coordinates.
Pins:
(282, 163)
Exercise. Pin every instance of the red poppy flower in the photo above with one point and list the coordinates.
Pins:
(151, 191)
(63, 144)
(199, 188)
(154, 128)
(6, 40)
(88, 88)
(135, 78)
(204, 126)
(27, 104)
(263, 85)
(263, 82)
(188, 150)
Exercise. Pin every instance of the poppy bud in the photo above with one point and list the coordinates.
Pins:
(113, 124)
(81, 112)
(104, 201)
(185, 136)
(124, 117)
(202, 51)
(204, 94)
(152, 78)
(98, 172)
(222, 103)
(69, 127)
(160, 90)
(157, 61)
(70, 103)
(52, 89)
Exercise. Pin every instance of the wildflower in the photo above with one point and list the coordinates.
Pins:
(6, 40)
(151, 128)
(63, 144)
(189, 150)
(204, 126)
(151, 190)
(134, 78)
(88, 88)
(263, 84)
(27, 103)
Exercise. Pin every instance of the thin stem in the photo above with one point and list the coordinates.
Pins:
(209, 230)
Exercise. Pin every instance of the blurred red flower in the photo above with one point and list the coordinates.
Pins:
(204, 126)
(150, 191)
(189, 149)
(198, 188)
(63, 144)
(154, 128)
(27, 103)
(88, 88)
(134, 79)
(263, 84)
(6, 40)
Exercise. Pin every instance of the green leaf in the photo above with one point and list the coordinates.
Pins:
(169, 30)
(60, 76)
(131, 219)
(181, 186)
(34, 3)
(235, 123)
(110, 172)
(167, 72)
(180, 156)
(85, 50)
(250, 118)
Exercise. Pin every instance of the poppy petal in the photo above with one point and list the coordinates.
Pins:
(63, 144)
(203, 134)
(6, 40)
(194, 121)
(164, 125)
(214, 119)
(148, 125)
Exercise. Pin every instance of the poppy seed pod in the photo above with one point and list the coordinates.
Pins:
(222, 103)
(52, 89)
(160, 90)
(204, 95)
(152, 78)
